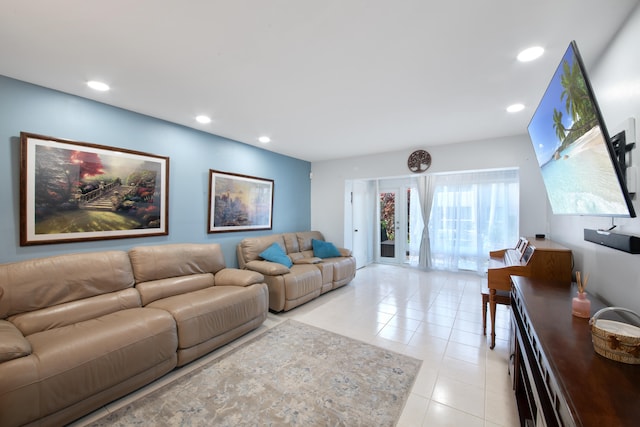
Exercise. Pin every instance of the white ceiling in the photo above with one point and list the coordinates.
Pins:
(323, 78)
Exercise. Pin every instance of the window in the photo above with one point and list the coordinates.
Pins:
(472, 214)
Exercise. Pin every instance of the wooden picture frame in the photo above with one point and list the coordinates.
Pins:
(74, 191)
(239, 202)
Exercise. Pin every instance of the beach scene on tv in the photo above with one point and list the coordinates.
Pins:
(570, 147)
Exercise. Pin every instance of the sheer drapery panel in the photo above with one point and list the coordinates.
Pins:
(472, 213)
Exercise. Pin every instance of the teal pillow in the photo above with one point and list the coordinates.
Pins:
(274, 253)
(323, 249)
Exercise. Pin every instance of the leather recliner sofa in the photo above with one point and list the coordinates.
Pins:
(308, 277)
(78, 331)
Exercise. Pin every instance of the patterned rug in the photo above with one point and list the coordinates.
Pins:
(293, 374)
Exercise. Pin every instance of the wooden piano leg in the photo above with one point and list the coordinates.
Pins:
(492, 311)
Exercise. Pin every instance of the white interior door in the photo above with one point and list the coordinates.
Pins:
(360, 220)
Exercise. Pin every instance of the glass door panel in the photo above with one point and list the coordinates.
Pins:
(387, 224)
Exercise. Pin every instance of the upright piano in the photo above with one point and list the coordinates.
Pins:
(532, 257)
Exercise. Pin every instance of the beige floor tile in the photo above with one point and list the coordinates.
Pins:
(460, 395)
(414, 411)
(439, 415)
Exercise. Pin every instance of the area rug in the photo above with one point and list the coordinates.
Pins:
(292, 374)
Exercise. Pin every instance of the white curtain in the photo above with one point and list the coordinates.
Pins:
(424, 195)
(472, 213)
(416, 224)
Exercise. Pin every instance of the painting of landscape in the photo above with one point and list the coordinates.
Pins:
(239, 202)
(78, 191)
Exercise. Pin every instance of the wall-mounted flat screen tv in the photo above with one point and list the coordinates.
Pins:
(574, 151)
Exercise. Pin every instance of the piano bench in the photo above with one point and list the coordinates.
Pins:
(502, 297)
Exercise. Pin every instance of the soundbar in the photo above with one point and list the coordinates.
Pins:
(621, 242)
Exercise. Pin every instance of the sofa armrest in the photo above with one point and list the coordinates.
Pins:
(267, 268)
(12, 343)
(237, 277)
(345, 251)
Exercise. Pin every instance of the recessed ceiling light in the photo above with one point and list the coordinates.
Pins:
(96, 85)
(264, 139)
(203, 119)
(514, 108)
(530, 54)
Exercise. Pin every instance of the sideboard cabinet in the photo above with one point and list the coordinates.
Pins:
(559, 379)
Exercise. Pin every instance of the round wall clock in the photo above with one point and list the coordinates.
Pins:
(419, 161)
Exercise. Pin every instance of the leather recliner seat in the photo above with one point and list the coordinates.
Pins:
(81, 330)
(308, 277)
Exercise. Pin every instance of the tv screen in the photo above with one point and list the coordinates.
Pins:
(575, 154)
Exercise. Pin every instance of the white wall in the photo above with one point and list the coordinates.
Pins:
(614, 275)
(327, 185)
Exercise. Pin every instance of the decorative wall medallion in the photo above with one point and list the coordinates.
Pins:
(419, 161)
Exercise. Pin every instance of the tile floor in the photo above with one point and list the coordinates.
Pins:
(433, 316)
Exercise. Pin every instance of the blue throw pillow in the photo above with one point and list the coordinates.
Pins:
(274, 253)
(323, 249)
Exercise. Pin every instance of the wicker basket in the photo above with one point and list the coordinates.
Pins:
(616, 340)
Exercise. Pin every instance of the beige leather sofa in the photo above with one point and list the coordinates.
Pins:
(308, 277)
(211, 305)
(78, 331)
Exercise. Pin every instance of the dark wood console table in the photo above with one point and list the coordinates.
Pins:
(559, 379)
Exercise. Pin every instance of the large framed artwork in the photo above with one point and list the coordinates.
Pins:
(239, 202)
(76, 191)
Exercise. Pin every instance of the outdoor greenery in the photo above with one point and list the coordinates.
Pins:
(387, 214)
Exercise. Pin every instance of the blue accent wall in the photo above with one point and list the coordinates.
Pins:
(29, 108)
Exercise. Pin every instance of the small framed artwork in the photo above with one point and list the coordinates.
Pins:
(76, 191)
(239, 202)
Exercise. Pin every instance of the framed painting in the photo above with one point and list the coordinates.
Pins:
(76, 191)
(239, 202)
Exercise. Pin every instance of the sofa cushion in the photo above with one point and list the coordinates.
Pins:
(344, 270)
(303, 280)
(164, 288)
(72, 312)
(249, 249)
(12, 343)
(323, 249)
(275, 253)
(305, 239)
(207, 313)
(174, 260)
(290, 242)
(28, 285)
